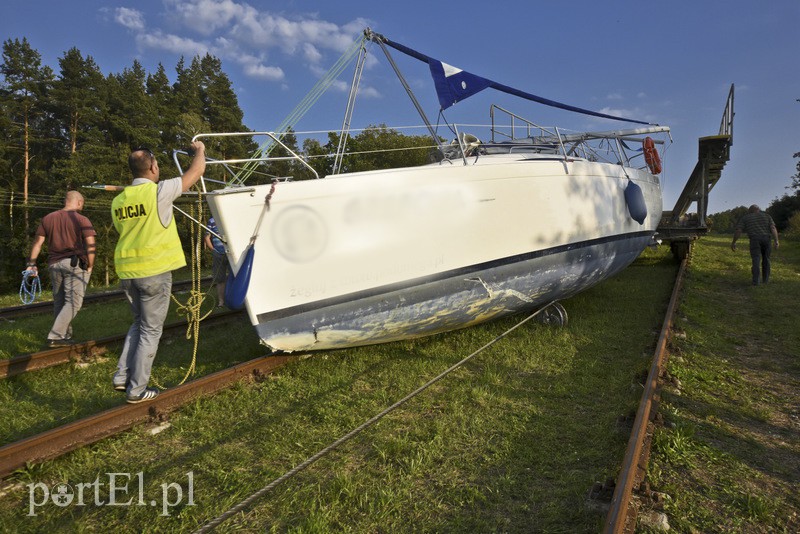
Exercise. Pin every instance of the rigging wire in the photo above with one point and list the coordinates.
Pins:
(208, 527)
(302, 108)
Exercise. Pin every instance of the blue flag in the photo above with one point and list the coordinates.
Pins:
(453, 84)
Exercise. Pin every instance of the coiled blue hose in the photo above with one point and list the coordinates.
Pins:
(30, 287)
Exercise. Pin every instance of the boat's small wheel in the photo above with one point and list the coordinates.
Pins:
(553, 315)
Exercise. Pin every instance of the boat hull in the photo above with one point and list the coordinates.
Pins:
(376, 257)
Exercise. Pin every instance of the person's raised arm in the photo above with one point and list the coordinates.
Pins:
(197, 168)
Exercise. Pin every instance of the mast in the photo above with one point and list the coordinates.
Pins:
(378, 38)
(348, 114)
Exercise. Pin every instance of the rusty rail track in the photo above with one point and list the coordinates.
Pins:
(58, 356)
(50, 444)
(623, 512)
(47, 305)
(59, 441)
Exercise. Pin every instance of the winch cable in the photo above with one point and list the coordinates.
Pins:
(192, 308)
(30, 287)
(211, 525)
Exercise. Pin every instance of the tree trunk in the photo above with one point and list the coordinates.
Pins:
(27, 171)
(73, 132)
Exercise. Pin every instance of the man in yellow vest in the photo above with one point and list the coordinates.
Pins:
(147, 252)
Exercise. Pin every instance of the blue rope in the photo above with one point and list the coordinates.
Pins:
(30, 287)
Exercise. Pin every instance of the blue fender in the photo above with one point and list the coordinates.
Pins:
(237, 285)
(634, 198)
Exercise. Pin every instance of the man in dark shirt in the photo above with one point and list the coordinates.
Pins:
(758, 226)
(70, 259)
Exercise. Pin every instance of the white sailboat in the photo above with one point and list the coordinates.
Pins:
(500, 226)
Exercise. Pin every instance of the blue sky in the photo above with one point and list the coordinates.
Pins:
(669, 63)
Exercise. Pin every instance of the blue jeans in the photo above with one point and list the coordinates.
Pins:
(69, 287)
(760, 249)
(149, 300)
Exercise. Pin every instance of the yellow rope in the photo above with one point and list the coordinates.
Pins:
(192, 308)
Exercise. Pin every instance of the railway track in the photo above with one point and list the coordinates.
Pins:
(621, 517)
(66, 438)
(58, 356)
(106, 296)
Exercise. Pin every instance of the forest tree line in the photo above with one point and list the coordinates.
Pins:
(785, 211)
(68, 129)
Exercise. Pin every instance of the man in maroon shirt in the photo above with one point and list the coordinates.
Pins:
(71, 250)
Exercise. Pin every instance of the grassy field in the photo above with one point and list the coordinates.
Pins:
(512, 441)
(728, 458)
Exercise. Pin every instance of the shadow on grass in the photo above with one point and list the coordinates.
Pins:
(38, 401)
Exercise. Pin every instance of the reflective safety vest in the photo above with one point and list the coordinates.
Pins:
(145, 247)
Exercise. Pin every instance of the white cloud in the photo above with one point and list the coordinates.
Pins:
(264, 72)
(236, 31)
(368, 92)
(262, 29)
(635, 113)
(207, 16)
(618, 112)
(339, 85)
(130, 18)
(172, 43)
(364, 91)
(614, 96)
(311, 53)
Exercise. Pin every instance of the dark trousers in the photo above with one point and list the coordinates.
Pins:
(760, 249)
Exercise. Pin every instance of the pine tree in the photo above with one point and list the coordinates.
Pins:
(160, 93)
(220, 108)
(26, 85)
(134, 112)
(188, 102)
(78, 97)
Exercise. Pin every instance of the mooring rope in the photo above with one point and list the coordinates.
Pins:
(30, 287)
(208, 527)
(191, 309)
(264, 210)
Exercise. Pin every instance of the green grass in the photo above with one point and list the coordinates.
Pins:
(510, 442)
(38, 401)
(26, 334)
(730, 457)
(10, 296)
